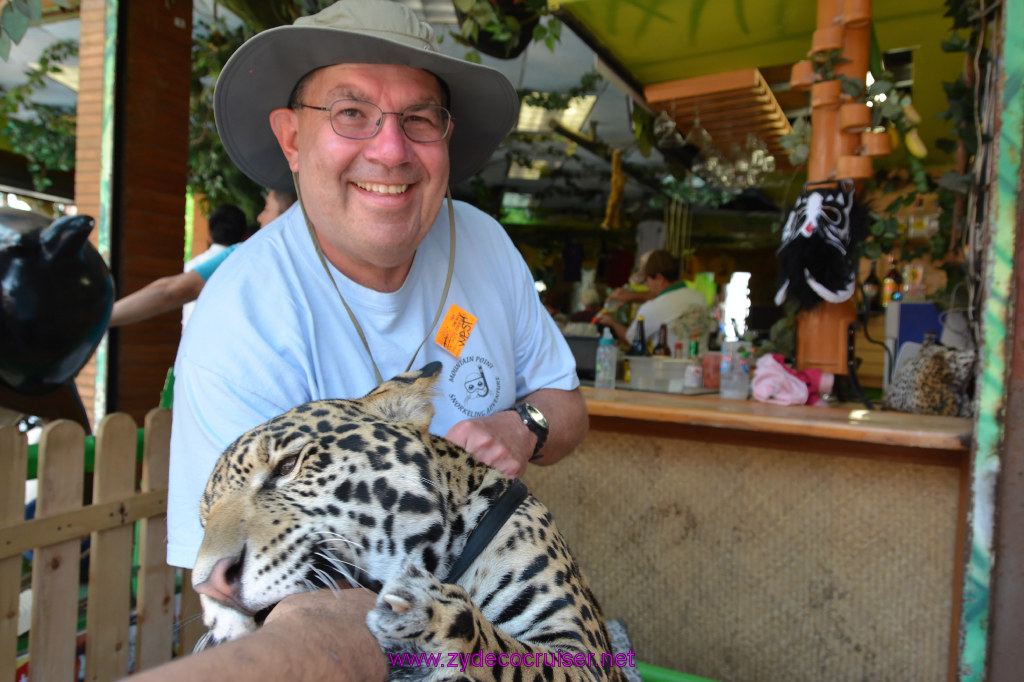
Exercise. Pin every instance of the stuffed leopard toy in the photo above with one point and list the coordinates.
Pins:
(360, 490)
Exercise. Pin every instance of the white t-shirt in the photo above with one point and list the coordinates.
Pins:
(213, 250)
(270, 333)
(665, 308)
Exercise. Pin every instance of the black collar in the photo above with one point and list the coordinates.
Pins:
(488, 527)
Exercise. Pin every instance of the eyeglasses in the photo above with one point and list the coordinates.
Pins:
(359, 120)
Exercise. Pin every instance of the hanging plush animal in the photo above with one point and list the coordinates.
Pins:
(815, 261)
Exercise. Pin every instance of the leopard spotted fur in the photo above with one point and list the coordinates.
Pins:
(360, 490)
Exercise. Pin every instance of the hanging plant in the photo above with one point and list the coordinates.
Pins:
(504, 28)
(798, 143)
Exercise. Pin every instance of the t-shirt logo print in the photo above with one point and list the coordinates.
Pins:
(476, 385)
(473, 386)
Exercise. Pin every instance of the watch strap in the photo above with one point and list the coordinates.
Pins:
(538, 430)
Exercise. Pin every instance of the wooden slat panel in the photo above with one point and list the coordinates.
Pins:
(690, 88)
(55, 568)
(155, 611)
(14, 455)
(78, 523)
(110, 565)
(728, 105)
(116, 506)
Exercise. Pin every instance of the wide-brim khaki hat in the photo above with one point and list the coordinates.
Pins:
(260, 76)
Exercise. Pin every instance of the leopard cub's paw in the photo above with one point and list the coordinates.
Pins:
(405, 607)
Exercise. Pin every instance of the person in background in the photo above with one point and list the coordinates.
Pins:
(275, 203)
(591, 300)
(670, 300)
(371, 123)
(174, 291)
(227, 227)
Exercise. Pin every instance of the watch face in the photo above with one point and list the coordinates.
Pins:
(536, 415)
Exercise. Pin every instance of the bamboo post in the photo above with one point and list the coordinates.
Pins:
(821, 340)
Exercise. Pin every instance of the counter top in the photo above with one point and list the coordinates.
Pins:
(850, 422)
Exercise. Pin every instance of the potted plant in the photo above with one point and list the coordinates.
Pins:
(878, 112)
(827, 89)
(802, 76)
(504, 28)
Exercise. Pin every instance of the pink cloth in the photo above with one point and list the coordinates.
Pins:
(773, 382)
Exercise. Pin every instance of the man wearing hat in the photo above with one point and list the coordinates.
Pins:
(373, 271)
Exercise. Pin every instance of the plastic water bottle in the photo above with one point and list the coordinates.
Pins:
(734, 378)
(607, 356)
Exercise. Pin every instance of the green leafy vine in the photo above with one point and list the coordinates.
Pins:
(956, 190)
(44, 134)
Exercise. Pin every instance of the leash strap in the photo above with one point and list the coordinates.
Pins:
(488, 527)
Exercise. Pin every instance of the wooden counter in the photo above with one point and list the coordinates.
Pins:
(852, 428)
(745, 541)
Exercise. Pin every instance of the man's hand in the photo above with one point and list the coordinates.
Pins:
(499, 440)
(618, 330)
(308, 637)
(317, 604)
(502, 441)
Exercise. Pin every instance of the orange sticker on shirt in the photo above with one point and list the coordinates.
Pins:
(455, 330)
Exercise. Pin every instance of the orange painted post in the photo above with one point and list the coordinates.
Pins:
(856, 48)
(821, 163)
(822, 332)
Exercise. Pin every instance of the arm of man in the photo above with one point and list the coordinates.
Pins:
(504, 442)
(624, 295)
(308, 637)
(159, 296)
(618, 329)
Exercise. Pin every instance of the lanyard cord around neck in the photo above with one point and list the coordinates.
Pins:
(355, 322)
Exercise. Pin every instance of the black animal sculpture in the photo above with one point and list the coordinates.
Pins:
(56, 294)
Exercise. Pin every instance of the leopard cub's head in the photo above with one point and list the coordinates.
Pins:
(296, 503)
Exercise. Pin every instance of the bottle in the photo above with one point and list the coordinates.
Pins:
(693, 370)
(639, 346)
(662, 346)
(892, 284)
(607, 356)
(734, 375)
(677, 352)
(871, 290)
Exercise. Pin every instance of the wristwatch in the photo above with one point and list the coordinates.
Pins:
(534, 420)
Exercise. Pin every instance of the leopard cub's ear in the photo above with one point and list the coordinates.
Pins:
(405, 398)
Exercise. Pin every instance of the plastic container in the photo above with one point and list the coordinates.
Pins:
(734, 373)
(670, 375)
(607, 357)
(657, 374)
(712, 368)
(641, 373)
